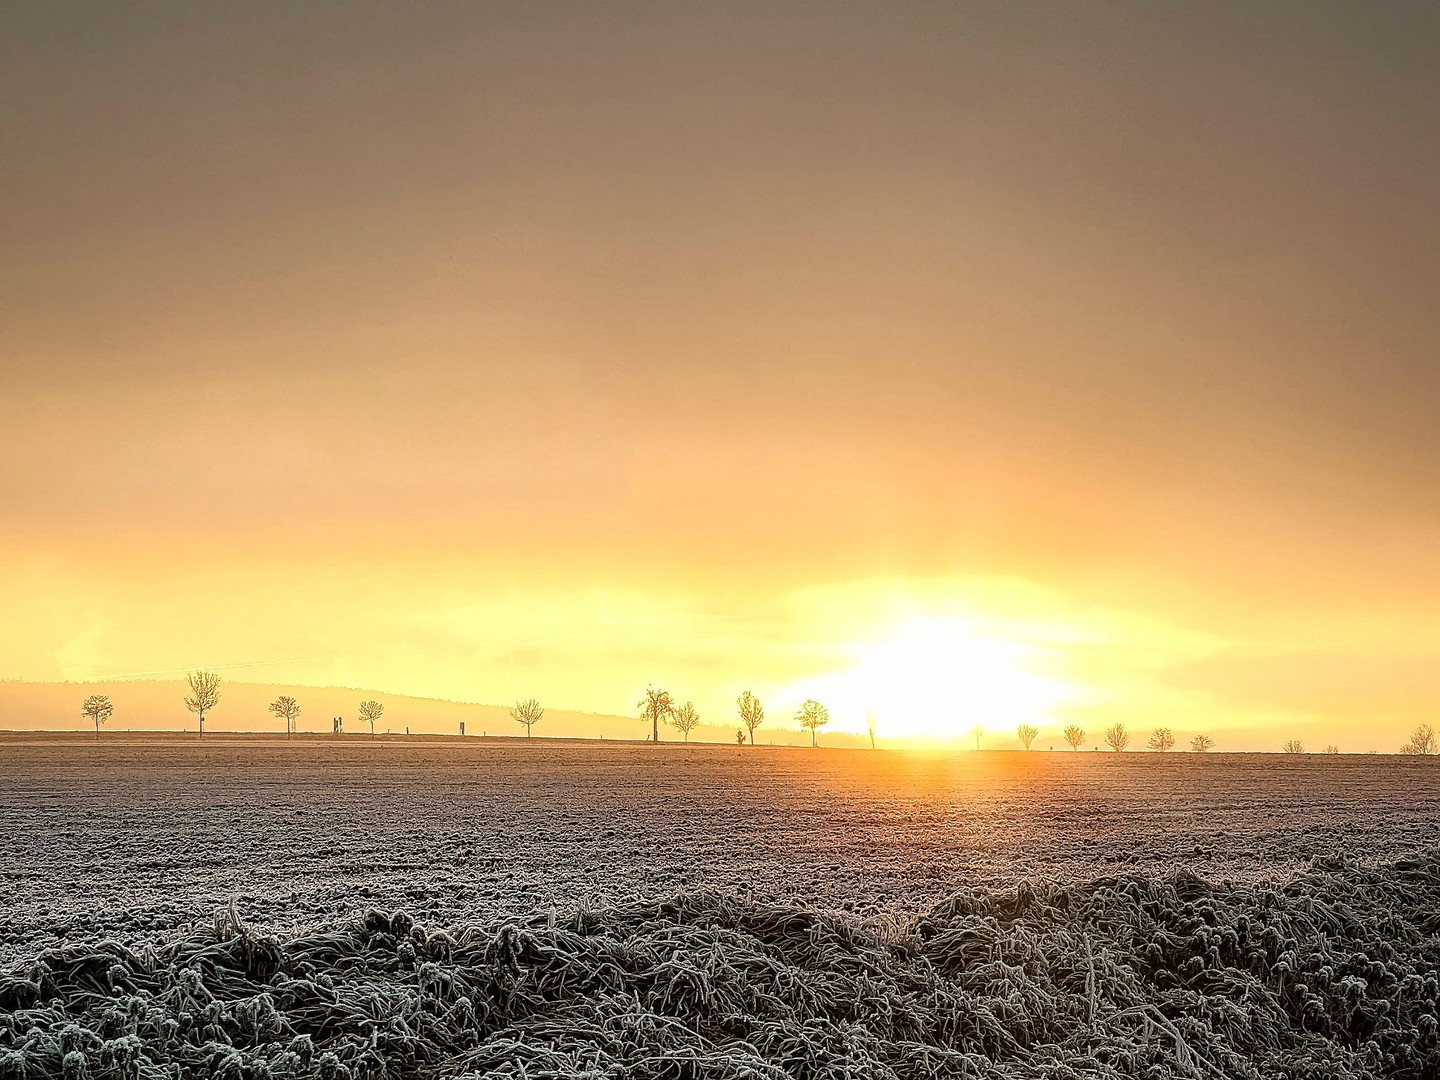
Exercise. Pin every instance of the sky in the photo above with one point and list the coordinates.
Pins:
(958, 363)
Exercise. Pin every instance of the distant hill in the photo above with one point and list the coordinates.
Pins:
(149, 704)
(156, 705)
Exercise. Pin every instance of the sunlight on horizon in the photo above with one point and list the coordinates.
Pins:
(936, 677)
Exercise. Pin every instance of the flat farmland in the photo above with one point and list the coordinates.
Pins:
(348, 909)
(133, 837)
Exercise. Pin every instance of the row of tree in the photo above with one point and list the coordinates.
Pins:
(205, 695)
(1422, 742)
(658, 707)
(1116, 737)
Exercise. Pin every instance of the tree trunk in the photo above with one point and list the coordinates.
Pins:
(812, 738)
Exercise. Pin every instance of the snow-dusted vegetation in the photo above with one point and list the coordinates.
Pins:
(1332, 974)
(352, 908)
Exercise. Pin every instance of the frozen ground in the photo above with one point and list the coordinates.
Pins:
(553, 911)
(135, 836)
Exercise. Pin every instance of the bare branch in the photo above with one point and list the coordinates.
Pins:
(528, 713)
(370, 711)
(685, 719)
(656, 706)
(98, 708)
(812, 716)
(752, 713)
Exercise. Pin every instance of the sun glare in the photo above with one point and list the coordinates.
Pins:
(938, 677)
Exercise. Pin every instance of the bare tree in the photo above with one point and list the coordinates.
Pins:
(1162, 739)
(1116, 737)
(977, 731)
(740, 736)
(1332, 749)
(752, 713)
(685, 719)
(1026, 734)
(1074, 735)
(1202, 744)
(1422, 742)
(812, 716)
(98, 708)
(655, 706)
(872, 722)
(287, 709)
(370, 711)
(1293, 746)
(528, 713)
(204, 694)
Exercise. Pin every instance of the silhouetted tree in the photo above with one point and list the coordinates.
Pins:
(752, 713)
(528, 713)
(1116, 737)
(740, 736)
(287, 709)
(1162, 739)
(1026, 734)
(1202, 744)
(1074, 735)
(685, 719)
(1332, 749)
(370, 711)
(812, 716)
(977, 731)
(204, 694)
(98, 708)
(655, 706)
(1422, 742)
(871, 723)
(1293, 746)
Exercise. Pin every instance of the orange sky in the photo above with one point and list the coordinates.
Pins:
(479, 352)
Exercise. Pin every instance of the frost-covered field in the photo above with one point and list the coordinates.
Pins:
(497, 907)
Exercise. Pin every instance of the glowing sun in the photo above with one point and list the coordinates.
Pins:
(938, 677)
